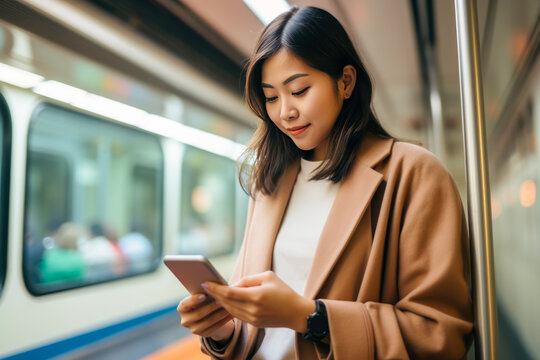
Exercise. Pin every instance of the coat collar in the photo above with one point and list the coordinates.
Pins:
(373, 150)
(351, 202)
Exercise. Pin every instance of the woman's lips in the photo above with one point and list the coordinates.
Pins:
(297, 130)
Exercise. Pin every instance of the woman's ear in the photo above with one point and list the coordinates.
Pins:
(349, 80)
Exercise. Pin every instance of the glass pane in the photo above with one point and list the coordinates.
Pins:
(513, 24)
(207, 212)
(93, 201)
(516, 236)
(45, 171)
(515, 177)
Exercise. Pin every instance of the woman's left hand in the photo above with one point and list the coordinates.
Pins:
(264, 300)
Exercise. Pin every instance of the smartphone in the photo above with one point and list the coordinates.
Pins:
(192, 271)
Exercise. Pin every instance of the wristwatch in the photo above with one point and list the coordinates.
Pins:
(317, 323)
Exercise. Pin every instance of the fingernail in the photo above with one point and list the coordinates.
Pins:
(201, 298)
(217, 302)
(205, 286)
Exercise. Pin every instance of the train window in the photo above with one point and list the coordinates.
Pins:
(207, 211)
(93, 201)
(5, 151)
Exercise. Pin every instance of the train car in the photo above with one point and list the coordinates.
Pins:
(122, 124)
(106, 167)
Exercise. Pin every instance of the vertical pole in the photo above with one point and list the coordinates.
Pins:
(478, 195)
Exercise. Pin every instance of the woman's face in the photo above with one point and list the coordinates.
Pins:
(303, 102)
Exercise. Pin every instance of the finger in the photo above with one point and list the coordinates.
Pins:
(210, 331)
(248, 281)
(191, 302)
(238, 309)
(206, 322)
(217, 320)
(199, 314)
(223, 292)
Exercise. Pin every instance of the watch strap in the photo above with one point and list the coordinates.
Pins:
(317, 323)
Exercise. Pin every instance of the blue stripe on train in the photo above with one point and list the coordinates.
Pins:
(63, 346)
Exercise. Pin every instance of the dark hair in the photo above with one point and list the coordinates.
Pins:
(317, 38)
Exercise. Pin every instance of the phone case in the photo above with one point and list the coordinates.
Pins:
(192, 271)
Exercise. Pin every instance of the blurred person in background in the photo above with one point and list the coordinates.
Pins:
(136, 247)
(98, 253)
(63, 262)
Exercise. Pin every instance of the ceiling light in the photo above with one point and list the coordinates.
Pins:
(267, 10)
(59, 91)
(110, 108)
(90, 102)
(18, 77)
(200, 139)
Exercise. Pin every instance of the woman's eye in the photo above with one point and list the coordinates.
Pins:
(270, 99)
(301, 91)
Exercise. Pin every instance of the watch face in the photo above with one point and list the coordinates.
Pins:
(318, 325)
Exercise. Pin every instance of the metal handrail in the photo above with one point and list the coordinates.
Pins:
(478, 194)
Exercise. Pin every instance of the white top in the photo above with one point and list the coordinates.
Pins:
(295, 247)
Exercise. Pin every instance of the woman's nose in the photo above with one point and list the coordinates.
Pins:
(288, 111)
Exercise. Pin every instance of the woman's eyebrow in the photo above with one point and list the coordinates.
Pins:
(288, 80)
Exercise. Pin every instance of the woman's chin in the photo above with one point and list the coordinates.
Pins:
(304, 147)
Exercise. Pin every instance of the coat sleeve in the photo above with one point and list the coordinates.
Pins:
(427, 239)
(234, 348)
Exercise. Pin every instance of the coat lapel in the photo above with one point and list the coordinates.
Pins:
(352, 200)
(267, 215)
(266, 220)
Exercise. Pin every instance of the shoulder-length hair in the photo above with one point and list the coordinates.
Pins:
(317, 38)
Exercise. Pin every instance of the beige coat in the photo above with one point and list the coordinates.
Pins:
(392, 262)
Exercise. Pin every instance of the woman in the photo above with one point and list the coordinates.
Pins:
(355, 245)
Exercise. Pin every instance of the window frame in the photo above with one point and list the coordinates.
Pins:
(52, 289)
(5, 117)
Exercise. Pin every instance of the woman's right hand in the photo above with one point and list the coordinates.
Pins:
(204, 317)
